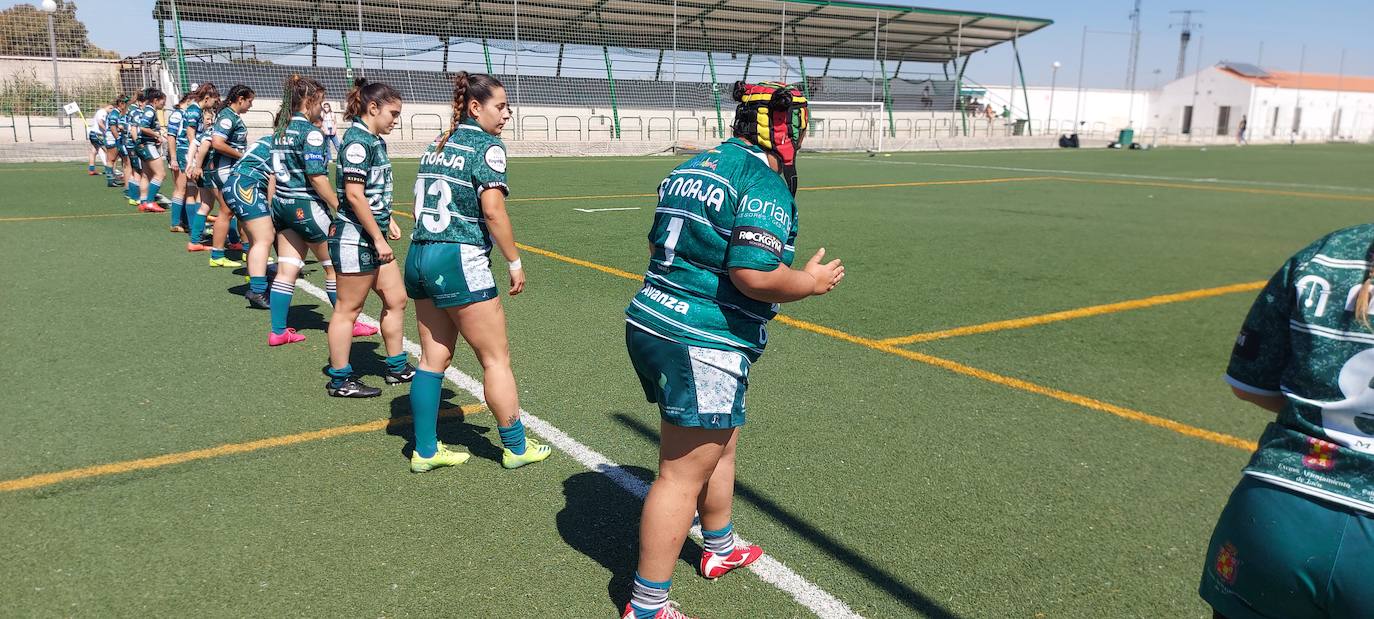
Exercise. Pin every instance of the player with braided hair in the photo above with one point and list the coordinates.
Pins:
(721, 247)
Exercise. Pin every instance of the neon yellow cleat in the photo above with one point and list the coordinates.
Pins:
(225, 262)
(133, 202)
(535, 451)
(441, 458)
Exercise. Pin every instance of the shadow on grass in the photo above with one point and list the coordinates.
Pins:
(454, 428)
(859, 564)
(599, 523)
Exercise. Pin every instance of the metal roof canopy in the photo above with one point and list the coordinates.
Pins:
(814, 28)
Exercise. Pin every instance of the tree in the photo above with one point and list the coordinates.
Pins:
(24, 32)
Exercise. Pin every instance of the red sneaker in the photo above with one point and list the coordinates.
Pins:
(151, 207)
(669, 611)
(362, 330)
(714, 566)
(286, 337)
(196, 247)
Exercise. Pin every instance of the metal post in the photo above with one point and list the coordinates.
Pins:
(806, 88)
(558, 69)
(445, 65)
(715, 92)
(314, 47)
(782, 46)
(826, 69)
(747, 59)
(1054, 75)
(610, 77)
(959, 78)
(56, 93)
(1197, 73)
(515, 18)
(181, 52)
(672, 130)
(1024, 92)
(486, 53)
(348, 57)
(1011, 94)
(887, 99)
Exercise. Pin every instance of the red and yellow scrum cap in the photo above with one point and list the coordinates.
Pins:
(773, 116)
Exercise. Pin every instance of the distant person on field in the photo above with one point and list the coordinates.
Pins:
(331, 134)
(1240, 131)
(720, 254)
(1296, 538)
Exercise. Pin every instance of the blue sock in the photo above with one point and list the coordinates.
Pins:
(331, 288)
(513, 438)
(177, 210)
(280, 300)
(152, 191)
(234, 231)
(719, 541)
(90, 168)
(425, 392)
(648, 596)
(257, 283)
(216, 253)
(338, 376)
(396, 363)
(131, 189)
(197, 221)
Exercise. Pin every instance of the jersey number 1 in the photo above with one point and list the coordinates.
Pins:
(670, 244)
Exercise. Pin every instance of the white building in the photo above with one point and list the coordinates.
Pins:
(1275, 104)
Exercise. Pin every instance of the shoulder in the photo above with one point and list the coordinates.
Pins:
(1347, 244)
(493, 152)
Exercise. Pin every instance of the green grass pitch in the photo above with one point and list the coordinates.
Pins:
(898, 486)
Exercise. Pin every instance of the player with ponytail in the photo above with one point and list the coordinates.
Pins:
(1296, 538)
(149, 151)
(359, 241)
(460, 213)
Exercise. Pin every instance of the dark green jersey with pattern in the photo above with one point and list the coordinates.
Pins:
(297, 154)
(148, 120)
(190, 121)
(114, 123)
(720, 210)
(174, 124)
(363, 159)
(256, 162)
(230, 128)
(453, 174)
(1302, 340)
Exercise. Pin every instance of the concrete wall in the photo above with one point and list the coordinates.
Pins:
(69, 70)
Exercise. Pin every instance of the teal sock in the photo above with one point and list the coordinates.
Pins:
(131, 189)
(196, 227)
(280, 301)
(648, 596)
(152, 191)
(513, 438)
(338, 376)
(331, 288)
(257, 283)
(178, 207)
(396, 363)
(90, 168)
(425, 392)
(216, 253)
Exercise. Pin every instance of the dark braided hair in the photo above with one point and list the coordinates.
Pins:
(469, 87)
(297, 90)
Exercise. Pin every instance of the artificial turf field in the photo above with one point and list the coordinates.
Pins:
(1068, 465)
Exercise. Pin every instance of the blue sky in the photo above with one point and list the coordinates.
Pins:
(1232, 30)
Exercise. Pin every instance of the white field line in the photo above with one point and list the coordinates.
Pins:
(1147, 177)
(770, 570)
(603, 210)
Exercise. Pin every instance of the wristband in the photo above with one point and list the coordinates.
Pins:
(514, 265)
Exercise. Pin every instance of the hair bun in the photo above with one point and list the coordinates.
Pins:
(360, 82)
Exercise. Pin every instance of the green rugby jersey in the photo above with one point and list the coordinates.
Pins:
(230, 128)
(190, 121)
(453, 175)
(1301, 340)
(114, 123)
(297, 154)
(148, 120)
(363, 159)
(174, 118)
(131, 125)
(722, 209)
(256, 163)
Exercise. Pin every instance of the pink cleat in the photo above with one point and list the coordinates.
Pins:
(286, 337)
(196, 247)
(151, 207)
(362, 330)
(714, 566)
(669, 611)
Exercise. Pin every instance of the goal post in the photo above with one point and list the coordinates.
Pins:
(846, 126)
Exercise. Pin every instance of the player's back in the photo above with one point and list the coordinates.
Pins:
(256, 162)
(297, 152)
(453, 173)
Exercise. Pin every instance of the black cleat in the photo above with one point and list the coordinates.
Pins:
(352, 388)
(257, 300)
(404, 376)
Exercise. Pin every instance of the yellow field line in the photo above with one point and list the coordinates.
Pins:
(1082, 312)
(129, 466)
(52, 217)
(959, 368)
(1210, 187)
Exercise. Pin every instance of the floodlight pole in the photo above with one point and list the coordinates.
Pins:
(1054, 75)
(1022, 70)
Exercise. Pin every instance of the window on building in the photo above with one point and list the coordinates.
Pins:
(1274, 121)
(1224, 120)
(1297, 119)
(1187, 119)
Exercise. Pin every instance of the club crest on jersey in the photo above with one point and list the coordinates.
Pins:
(1321, 455)
(355, 153)
(226, 124)
(1227, 563)
(314, 138)
(300, 214)
(496, 158)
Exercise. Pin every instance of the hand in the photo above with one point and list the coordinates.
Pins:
(173, 164)
(827, 275)
(393, 231)
(517, 281)
(193, 172)
(384, 252)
